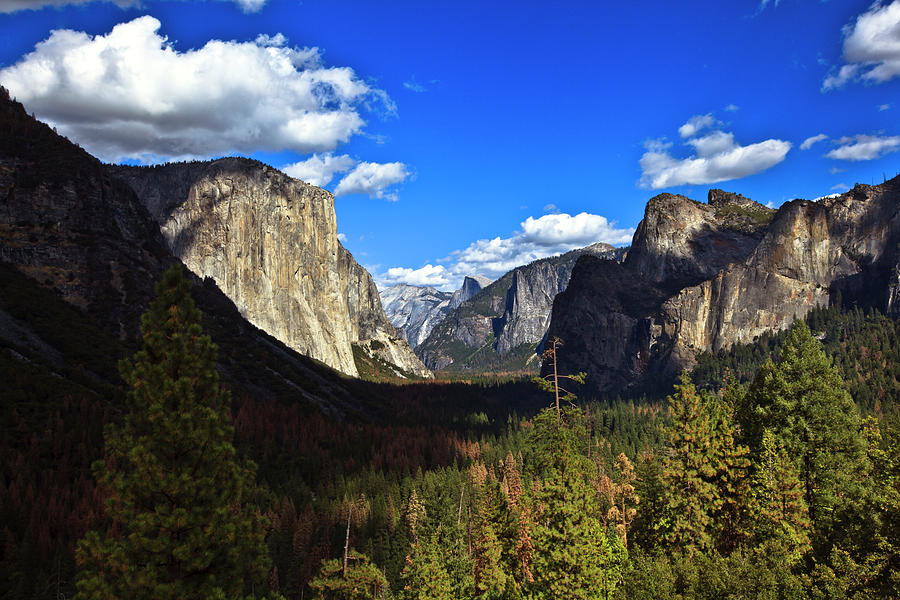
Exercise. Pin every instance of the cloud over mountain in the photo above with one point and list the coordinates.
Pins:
(717, 157)
(131, 94)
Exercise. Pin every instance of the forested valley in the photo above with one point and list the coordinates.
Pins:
(770, 471)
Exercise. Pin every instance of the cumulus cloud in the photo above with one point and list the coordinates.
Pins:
(373, 179)
(428, 275)
(717, 158)
(696, 124)
(884, 107)
(319, 169)
(871, 47)
(864, 147)
(545, 236)
(11, 6)
(538, 238)
(131, 94)
(810, 141)
(732, 108)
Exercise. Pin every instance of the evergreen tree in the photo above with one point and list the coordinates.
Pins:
(804, 403)
(574, 557)
(181, 520)
(359, 581)
(704, 473)
(779, 510)
(425, 576)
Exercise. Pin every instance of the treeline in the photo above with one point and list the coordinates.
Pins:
(758, 477)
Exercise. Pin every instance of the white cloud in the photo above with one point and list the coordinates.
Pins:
(884, 107)
(319, 169)
(11, 6)
(808, 142)
(131, 94)
(538, 238)
(718, 158)
(428, 275)
(696, 124)
(732, 108)
(871, 47)
(342, 237)
(864, 147)
(712, 144)
(549, 208)
(373, 179)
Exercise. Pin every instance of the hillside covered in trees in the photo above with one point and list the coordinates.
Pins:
(770, 471)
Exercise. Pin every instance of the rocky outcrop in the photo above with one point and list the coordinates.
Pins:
(502, 327)
(416, 310)
(471, 285)
(724, 273)
(67, 224)
(270, 243)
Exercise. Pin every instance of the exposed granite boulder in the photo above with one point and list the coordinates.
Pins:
(270, 243)
(681, 242)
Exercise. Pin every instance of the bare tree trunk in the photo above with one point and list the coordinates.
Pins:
(347, 540)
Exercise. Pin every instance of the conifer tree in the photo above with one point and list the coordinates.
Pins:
(573, 555)
(704, 473)
(425, 576)
(360, 580)
(804, 403)
(182, 524)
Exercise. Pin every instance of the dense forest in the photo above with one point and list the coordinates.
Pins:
(770, 471)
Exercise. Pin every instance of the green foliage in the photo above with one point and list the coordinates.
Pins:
(362, 580)
(573, 555)
(704, 474)
(803, 402)
(182, 523)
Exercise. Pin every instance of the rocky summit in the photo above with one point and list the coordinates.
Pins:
(416, 310)
(502, 326)
(701, 277)
(270, 243)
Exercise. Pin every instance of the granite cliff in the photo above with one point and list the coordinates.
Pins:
(270, 243)
(701, 277)
(79, 256)
(502, 326)
(416, 310)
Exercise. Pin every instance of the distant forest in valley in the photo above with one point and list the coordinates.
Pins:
(771, 470)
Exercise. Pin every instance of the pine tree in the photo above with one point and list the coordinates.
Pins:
(360, 580)
(704, 474)
(573, 556)
(804, 403)
(181, 520)
(425, 575)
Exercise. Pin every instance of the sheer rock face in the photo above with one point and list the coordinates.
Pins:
(270, 243)
(756, 277)
(470, 286)
(416, 310)
(508, 315)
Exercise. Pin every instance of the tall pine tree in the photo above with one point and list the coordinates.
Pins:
(181, 520)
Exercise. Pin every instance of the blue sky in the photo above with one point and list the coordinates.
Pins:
(470, 137)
